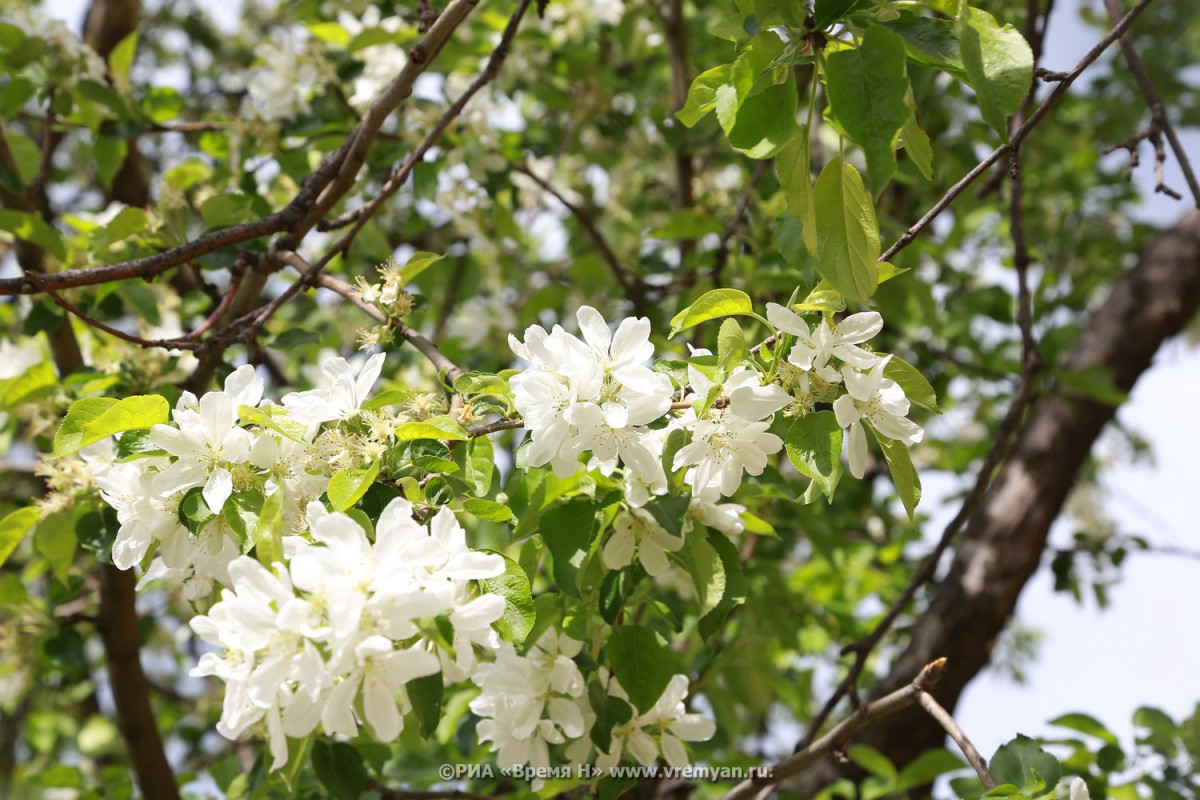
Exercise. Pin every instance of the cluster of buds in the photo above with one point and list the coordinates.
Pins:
(389, 297)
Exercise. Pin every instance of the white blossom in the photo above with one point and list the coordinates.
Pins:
(635, 532)
(668, 719)
(342, 396)
(881, 402)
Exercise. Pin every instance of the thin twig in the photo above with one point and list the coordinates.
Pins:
(414, 337)
(360, 216)
(501, 425)
(735, 222)
(630, 282)
(167, 344)
(1158, 114)
(943, 717)
(219, 311)
(356, 148)
(841, 733)
(1038, 115)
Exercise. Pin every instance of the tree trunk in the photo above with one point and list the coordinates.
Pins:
(1006, 536)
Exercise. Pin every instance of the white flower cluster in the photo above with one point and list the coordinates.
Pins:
(336, 632)
(533, 701)
(330, 636)
(282, 85)
(869, 396)
(209, 448)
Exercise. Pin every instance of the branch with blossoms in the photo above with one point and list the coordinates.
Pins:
(326, 536)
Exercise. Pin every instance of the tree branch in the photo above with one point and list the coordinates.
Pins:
(977, 762)
(843, 731)
(630, 283)
(131, 691)
(1015, 140)
(1006, 536)
(1158, 114)
(398, 178)
(360, 141)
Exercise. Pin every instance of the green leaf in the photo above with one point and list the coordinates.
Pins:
(162, 104)
(795, 176)
(641, 662)
(731, 345)
(548, 614)
(827, 12)
(329, 32)
(35, 230)
(567, 532)
(193, 511)
(1085, 724)
(917, 147)
(702, 96)
(55, 541)
(120, 60)
(477, 465)
(39, 379)
(275, 418)
(296, 337)
(223, 210)
(426, 695)
(349, 485)
(904, 475)
(688, 224)
(712, 305)
(735, 585)
(868, 87)
(927, 766)
(1023, 763)
(766, 121)
(706, 569)
(26, 156)
(999, 66)
(126, 223)
(94, 418)
(814, 446)
(241, 512)
(432, 428)
(610, 712)
(13, 529)
(916, 387)
(1095, 383)
(340, 769)
(109, 154)
(487, 509)
(930, 40)
(519, 611)
(873, 762)
(419, 262)
(268, 545)
(847, 233)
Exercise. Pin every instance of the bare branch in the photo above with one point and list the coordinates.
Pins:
(843, 731)
(398, 178)
(360, 141)
(1158, 116)
(169, 344)
(943, 717)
